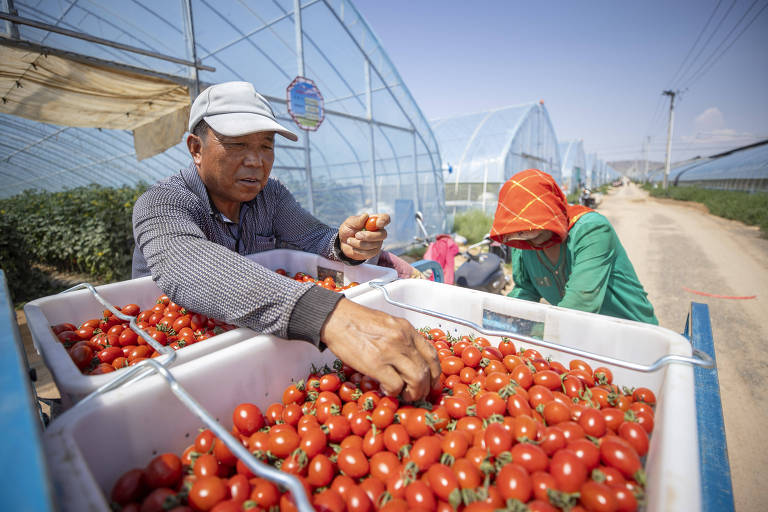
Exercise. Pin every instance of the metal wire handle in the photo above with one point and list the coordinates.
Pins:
(167, 354)
(700, 358)
(235, 446)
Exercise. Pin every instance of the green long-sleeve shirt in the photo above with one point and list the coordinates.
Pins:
(593, 274)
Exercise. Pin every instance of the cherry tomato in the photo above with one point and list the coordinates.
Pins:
(131, 486)
(247, 418)
(163, 471)
(514, 482)
(206, 492)
(530, 456)
(370, 224)
(320, 471)
(597, 497)
(620, 456)
(568, 470)
(635, 435)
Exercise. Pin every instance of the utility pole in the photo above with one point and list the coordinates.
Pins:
(647, 143)
(671, 95)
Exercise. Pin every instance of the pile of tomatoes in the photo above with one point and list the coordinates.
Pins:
(328, 283)
(105, 344)
(505, 430)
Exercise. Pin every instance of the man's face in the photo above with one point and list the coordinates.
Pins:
(234, 169)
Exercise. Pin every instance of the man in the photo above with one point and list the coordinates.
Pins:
(569, 255)
(193, 228)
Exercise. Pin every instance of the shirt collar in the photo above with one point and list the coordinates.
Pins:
(193, 181)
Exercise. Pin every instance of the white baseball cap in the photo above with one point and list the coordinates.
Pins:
(235, 109)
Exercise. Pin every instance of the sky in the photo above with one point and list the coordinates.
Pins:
(600, 67)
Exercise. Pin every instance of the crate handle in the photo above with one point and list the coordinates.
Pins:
(167, 354)
(699, 358)
(150, 366)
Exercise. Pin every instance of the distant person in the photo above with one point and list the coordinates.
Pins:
(568, 255)
(193, 230)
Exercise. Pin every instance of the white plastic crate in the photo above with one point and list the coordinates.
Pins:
(319, 267)
(147, 419)
(81, 305)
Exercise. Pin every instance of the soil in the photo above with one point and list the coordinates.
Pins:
(675, 245)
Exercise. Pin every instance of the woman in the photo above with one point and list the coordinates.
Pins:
(569, 255)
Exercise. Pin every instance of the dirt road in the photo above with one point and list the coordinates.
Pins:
(674, 245)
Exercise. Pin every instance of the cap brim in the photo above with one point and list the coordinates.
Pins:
(239, 124)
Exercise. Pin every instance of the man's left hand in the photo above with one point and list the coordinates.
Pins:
(359, 244)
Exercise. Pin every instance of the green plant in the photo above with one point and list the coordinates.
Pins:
(472, 225)
(85, 229)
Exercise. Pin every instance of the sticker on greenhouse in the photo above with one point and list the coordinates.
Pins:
(305, 103)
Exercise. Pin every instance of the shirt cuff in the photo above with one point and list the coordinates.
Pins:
(340, 254)
(310, 313)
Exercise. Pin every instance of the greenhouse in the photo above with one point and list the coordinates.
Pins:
(598, 172)
(481, 151)
(99, 93)
(574, 165)
(741, 169)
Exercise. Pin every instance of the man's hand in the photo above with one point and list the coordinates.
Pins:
(357, 244)
(381, 346)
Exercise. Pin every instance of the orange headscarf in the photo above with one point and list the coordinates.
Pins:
(532, 200)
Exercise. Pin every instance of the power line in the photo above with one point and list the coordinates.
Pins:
(709, 39)
(707, 66)
(698, 38)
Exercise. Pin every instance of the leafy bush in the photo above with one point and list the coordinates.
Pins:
(749, 208)
(85, 229)
(472, 225)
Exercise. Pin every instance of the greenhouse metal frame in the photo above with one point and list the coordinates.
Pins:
(374, 151)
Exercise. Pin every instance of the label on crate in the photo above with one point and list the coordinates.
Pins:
(337, 275)
(514, 324)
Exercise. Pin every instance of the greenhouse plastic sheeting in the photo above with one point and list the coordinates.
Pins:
(485, 149)
(747, 164)
(574, 164)
(373, 147)
(741, 169)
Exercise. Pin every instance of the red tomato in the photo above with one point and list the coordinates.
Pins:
(442, 480)
(163, 471)
(551, 440)
(620, 456)
(395, 437)
(635, 435)
(320, 471)
(597, 497)
(497, 438)
(531, 457)
(490, 403)
(425, 452)
(206, 492)
(130, 487)
(419, 496)
(467, 474)
(644, 395)
(156, 500)
(383, 465)
(371, 223)
(264, 493)
(568, 470)
(206, 465)
(514, 482)
(247, 418)
(282, 442)
(593, 422)
(587, 452)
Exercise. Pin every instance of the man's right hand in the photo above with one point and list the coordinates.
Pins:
(383, 347)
